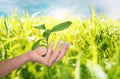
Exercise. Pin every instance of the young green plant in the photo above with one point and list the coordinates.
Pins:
(47, 32)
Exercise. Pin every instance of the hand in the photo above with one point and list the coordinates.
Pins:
(40, 55)
(48, 56)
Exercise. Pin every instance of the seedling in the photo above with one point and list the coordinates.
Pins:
(47, 32)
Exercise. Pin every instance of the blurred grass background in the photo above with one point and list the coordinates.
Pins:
(94, 52)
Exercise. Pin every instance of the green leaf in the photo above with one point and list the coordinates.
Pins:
(6, 26)
(46, 34)
(61, 26)
(42, 26)
(36, 44)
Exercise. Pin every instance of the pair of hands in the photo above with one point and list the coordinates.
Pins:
(48, 56)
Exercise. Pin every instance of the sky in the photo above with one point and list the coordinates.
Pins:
(59, 8)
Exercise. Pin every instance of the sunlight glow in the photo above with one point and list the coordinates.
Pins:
(60, 13)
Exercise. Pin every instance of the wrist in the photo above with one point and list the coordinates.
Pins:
(27, 56)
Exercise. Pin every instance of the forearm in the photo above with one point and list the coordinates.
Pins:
(11, 64)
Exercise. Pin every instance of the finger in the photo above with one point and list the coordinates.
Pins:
(49, 51)
(63, 52)
(56, 53)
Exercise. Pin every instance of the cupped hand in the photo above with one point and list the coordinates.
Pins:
(48, 56)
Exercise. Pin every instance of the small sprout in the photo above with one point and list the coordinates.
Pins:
(46, 33)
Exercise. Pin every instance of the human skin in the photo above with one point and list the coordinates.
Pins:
(46, 56)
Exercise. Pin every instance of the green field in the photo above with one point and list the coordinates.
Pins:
(94, 52)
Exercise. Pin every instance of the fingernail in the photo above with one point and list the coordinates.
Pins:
(67, 43)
